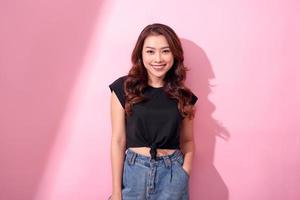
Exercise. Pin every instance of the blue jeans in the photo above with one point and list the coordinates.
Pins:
(160, 179)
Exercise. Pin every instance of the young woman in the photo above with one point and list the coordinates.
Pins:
(152, 115)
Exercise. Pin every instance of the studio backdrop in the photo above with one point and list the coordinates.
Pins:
(57, 59)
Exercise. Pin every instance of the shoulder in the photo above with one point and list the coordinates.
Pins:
(118, 87)
(119, 81)
(117, 84)
(194, 98)
(189, 95)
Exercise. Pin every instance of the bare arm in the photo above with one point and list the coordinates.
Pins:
(117, 145)
(187, 143)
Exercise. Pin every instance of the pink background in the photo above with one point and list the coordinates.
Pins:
(58, 57)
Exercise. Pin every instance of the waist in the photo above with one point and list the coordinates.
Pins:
(132, 157)
(145, 151)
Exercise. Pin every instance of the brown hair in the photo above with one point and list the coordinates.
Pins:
(137, 79)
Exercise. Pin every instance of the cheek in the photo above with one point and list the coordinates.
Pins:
(146, 59)
(170, 59)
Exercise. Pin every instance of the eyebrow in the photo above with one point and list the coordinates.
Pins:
(154, 48)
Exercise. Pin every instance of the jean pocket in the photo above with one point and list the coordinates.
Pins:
(179, 163)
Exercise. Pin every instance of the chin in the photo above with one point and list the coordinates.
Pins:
(161, 74)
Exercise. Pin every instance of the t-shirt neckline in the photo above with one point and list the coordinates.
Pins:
(156, 87)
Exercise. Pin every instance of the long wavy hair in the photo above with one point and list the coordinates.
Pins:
(137, 79)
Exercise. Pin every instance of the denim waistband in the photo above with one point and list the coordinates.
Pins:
(133, 157)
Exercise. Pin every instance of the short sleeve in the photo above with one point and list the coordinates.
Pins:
(118, 88)
(194, 99)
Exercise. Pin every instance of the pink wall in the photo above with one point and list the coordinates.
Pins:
(57, 59)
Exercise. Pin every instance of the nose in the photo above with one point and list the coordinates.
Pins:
(157, 57)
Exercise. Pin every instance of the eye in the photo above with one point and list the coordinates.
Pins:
(149, 51)
(166, 51)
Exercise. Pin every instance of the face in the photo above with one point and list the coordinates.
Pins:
(157, 57)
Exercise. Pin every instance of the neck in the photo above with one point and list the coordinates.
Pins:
(156, 83)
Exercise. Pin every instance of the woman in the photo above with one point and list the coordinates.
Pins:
(152, 115)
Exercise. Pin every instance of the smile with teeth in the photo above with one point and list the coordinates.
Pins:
(158, 66)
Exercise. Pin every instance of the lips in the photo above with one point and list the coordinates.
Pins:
(158, 66)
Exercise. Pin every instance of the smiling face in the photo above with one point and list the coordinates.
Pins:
(157, 58)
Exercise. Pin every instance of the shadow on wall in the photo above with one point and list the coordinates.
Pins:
(206, 183)
(40, 58)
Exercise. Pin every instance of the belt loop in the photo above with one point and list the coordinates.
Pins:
(132, 157)
(180, 157)
(168, 164)
(167, 161)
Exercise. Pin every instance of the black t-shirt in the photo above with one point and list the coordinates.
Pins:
(154, 122)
